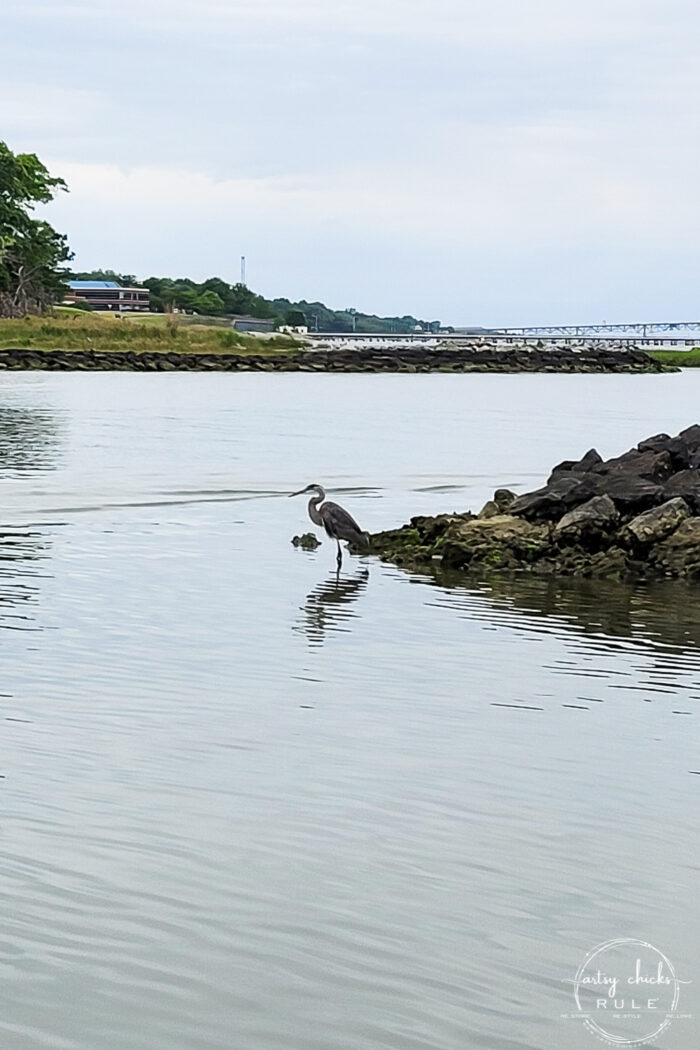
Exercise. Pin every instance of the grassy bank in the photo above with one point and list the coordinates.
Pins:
(678, 358)
(83, 331)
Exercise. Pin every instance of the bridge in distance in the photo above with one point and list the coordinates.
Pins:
(643, 329)
(682, 334)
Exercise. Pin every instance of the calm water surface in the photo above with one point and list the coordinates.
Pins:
(246, 804)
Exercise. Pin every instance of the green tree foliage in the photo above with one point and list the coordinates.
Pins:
(209, 302)
(126, 280)
(32, 253)
(214, 297)
(320, 318)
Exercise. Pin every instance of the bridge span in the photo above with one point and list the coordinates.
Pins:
(643, 329)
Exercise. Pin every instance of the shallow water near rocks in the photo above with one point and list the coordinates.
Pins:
(248, 803)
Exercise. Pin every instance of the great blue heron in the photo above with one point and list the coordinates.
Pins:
(334, 519)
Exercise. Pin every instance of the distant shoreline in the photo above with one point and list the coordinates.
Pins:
(409, 359)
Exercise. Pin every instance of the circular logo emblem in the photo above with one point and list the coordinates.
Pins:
(627, 992)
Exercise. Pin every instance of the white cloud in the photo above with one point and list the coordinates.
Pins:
(550, 146)
(498, 24)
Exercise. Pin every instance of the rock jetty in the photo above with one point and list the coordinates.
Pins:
(462, 357)
(633, 517)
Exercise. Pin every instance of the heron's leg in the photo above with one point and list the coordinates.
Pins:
(340, 554)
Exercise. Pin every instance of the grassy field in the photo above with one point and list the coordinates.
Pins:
(678, 358)
(80, 330)
(161, 320)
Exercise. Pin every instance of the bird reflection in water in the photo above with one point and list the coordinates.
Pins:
(328, 605)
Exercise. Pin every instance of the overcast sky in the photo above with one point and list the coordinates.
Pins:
(477, 161)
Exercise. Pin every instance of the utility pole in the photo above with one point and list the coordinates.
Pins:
(243, 271)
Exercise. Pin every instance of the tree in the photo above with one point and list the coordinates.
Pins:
(185, 296)
(31, 267)
(209, 302)
(221, 288)
(127, 280)
(32, 253)
(216, 297)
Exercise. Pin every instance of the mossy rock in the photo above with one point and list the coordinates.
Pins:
(307, 541)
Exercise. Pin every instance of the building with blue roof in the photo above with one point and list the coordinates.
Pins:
(108, 295)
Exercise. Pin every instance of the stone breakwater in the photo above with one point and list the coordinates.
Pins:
(462, 358)
(633, 517)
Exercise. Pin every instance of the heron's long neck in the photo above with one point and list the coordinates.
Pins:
(314, 503)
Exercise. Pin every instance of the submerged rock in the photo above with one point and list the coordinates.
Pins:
(307, 541)
(461, 541)
(679, 554)
(635, 516)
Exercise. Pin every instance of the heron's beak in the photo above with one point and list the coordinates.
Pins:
(296, 493)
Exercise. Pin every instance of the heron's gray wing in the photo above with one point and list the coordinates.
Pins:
(342, 523)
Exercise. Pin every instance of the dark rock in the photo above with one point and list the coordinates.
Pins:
(630, 493)
(656, 524)
(546, 504)
(626, 518)
(503, 498)
(489, 510)
(686, 484)
(632, 481)
(577, 466)
(675, 446)
(656, 443)
(654, 466)
(691, 436)
(501, 502)
(595, 516)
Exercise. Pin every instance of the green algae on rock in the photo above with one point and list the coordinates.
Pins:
(605, 519)
(307, 541)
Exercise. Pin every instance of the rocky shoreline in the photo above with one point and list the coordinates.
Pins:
(407, 358)
(633, 517)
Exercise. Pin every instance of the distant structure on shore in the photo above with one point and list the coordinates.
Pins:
(502, 339)
(108, 295)
(244, 323)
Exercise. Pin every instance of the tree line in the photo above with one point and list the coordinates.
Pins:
(34, 276)
(216, 298)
